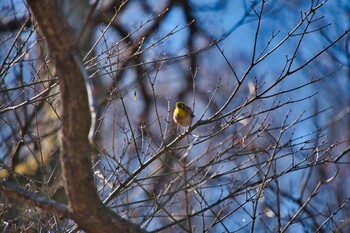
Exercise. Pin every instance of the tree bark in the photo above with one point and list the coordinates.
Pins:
(87, 209)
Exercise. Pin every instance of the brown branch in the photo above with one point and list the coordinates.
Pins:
(14, 24)
(39, 97)
(17, 192)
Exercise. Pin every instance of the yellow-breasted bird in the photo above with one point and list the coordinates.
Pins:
(182, 114)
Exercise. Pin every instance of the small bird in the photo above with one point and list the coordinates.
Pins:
(182, 114)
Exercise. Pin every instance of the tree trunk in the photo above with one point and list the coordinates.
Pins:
(87, 210)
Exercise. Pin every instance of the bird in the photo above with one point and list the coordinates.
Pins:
(183, 114)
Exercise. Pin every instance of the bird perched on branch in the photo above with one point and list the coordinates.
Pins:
(183, 114)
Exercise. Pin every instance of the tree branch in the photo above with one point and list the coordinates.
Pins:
(15, 191)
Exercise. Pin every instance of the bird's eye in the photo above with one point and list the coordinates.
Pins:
(182, 106)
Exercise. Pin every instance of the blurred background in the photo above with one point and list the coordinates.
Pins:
(268, 82)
